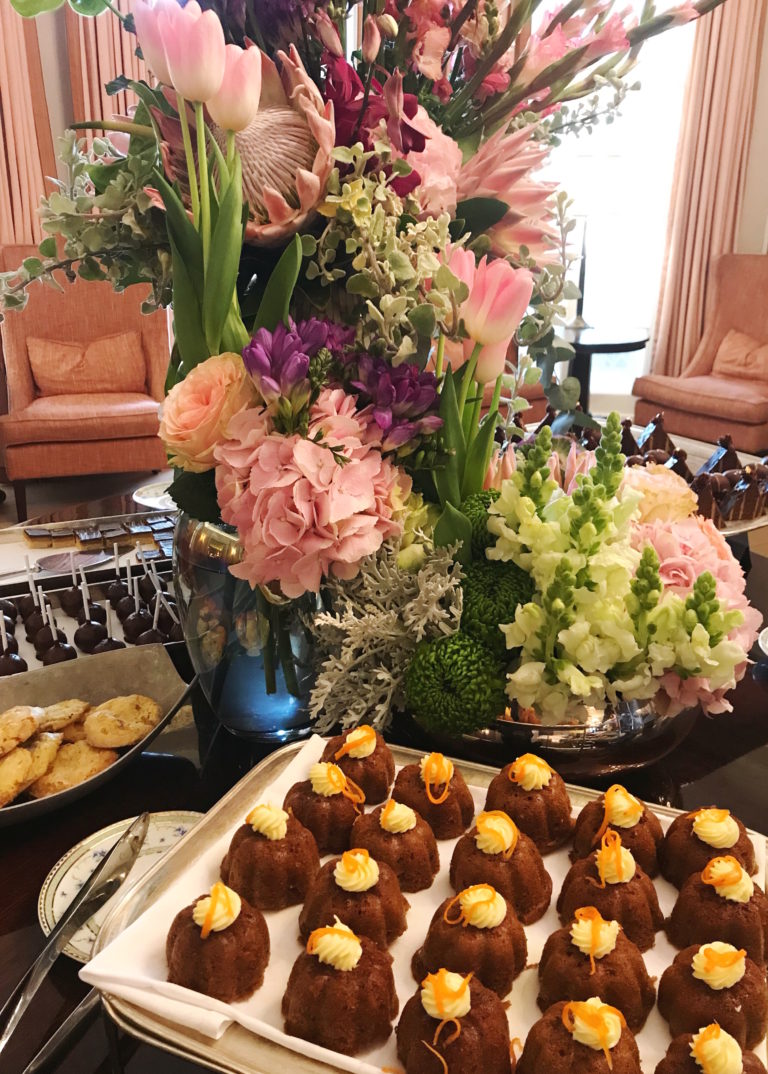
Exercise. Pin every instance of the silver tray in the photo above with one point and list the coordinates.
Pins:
(240, 1051)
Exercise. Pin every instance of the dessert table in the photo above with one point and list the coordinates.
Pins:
(191, 765)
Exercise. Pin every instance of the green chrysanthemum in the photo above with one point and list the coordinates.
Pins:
(492, 592)
(475, 507)
(453, 684)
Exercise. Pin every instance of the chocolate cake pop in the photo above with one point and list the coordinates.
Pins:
(60, 650)
(9, 644)
(89, 609)
(44, 639)
(109, 644)
(116, 590)
(36, 620)
(70, 599)
(9, 610)
(153, 636)
(10, 661)
(139, 620)
(25, 605)
(10, 624)
(176, 633)
(89, 634)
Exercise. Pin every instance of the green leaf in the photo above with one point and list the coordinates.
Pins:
(360, 284)
(117, 85)
(48, 247)
(453, 527)
(87, 8)
(480, 214)
(196, 494)
(475, 466)
(448, 478)
(28, 9)
(187, 316)
(33, 265)
(423, 319)
(308, 245)
(223, 260)
(279, 290)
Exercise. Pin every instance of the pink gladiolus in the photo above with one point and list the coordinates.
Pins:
(502, 465)
(371, 39)
(147, 19)
(498, 298)
(235, 106)
(429, 50)
(328, 34)
(438, 165)
(194, 48)
(543, 52)
(611, 38)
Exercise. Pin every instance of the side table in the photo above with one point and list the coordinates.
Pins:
(588, 341)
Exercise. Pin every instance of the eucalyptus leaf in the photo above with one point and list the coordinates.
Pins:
(423, 319)
(28, 9)
(48, 247)
(360, 284)
(87, 8)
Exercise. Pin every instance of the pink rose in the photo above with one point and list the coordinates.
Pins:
(196, 411)
(679, 573)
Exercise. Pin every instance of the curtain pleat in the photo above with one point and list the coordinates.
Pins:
(710, 172)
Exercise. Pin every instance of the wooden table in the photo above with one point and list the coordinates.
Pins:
(724, 761)
(588, 341)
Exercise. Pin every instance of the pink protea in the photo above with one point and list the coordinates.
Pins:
(501, 168)
(306, 507)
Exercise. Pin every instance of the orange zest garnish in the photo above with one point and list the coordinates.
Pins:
(733, 876)
(610, 845)
(327, 930)
(516, 768)
(608, 798)
(434, 775)
(389, 805)
(594, 917)
(712, 1032)
(515, 1047)
(484, 828)
(456, 1033)
(392, 1070)
(595, 1019)
(355, 861)
(462, 919)
(347, 746)
(219, 893)
(714, 960)
(718, 816)
(344, 785)
(442, 992)
(437, 1055)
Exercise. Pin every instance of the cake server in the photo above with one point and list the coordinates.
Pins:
(102, 884)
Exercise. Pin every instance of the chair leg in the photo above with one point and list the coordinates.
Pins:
(20, 494)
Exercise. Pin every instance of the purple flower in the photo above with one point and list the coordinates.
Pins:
(403, 400)
(278, 363)
(316, 334)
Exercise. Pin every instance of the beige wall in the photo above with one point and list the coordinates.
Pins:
(753, 224)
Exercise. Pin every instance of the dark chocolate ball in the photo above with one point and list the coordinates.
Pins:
(108, 645)
(151, 637)
(13, 645)
(71, 600)
(116, 591)
(10, 624)
(34, 608)
(89, 634)
(33, 624)
(176, 633)
(125, 607)
(9, 609)
(26, 605)
(97, 613)
(147, 587)
(58, 653)
(136, 624)
(44, 639)
(12, 664)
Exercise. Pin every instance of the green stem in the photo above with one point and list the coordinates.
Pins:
(114, 11)
(194, 197)
(205, 193)
(439, 358)
(494, 407)
(469, 375)
(113, 125)
(268, 648)
(285, 652)
(475, 419)
(230, 150)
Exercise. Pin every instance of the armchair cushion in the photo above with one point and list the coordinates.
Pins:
(724, 398)
(67, 418)
(109, 364)
(739, 355)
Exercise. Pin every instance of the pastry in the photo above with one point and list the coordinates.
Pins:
(17, 725)
(327, 804)
(580, 1037)
(695, 838)
(75, 762)
(122, 721)
(534, 796)
(366, 759)
(438, 793)
(618, 809)
(15, 767)
(395, 834)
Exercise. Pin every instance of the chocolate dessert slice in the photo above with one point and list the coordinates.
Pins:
(723, 458)
(654, 437)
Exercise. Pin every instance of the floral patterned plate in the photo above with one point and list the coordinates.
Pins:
(72, 870)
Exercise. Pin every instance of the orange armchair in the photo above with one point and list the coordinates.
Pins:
(704, 404)
(84, 431)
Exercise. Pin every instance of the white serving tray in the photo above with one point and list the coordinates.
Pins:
(241, 1051)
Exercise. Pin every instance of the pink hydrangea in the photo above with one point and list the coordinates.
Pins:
(305, 509)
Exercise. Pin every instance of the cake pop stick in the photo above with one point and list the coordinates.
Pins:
(135, 593)
(30, 582)
(140, 557)
(84, 594)
(51, 620)
(84, 586)
(3, 633)
(116, 553)
(168, 608)
(154, 617)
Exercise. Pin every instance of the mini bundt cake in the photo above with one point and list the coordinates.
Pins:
(594, 956)
(692, 839)
(341, 992)
(438, 793)
(611, 881)
(721, 903)
(327, 804)
(218, 945)
(271, 859)
(366, 759)
(475, 931)
(453, 1023)
(362, 892)
(534, 796)
(586, 1037)
(715, 982)
(711, 1049)
(638, 827)
(395, 834)
(496, 852)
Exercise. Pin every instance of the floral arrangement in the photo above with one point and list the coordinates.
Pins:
(341, 202)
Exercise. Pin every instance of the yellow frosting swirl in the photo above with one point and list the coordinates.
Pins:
(615, 864)
(327, 779)
(482, 906)
(729, 879)
(593, 1023)
(716, 827)
(356, 871)
(719, 965)
(446, 995)
(716, 1052)
(217, 911)
(622, 809)
(336, 945)
(530, 772)
(397, 818)
(269, 820)
(592, 934)
(496, 833)
(359, 743)
(436, 769)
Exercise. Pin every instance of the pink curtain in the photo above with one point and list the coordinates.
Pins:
(26, 146)
(710, 172)
(99, 51)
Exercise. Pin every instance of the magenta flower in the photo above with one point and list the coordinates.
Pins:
(278, 363)
(402, 402)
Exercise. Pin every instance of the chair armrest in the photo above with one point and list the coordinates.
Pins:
(21, 386)
(157, 353)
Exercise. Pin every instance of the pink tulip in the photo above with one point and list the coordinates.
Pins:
(147, 19)
(491, 361)
(498, 298)
(194, 48)
(235, 106)
(328, 34)
(462, 264)
(371, 39)
(388, 25)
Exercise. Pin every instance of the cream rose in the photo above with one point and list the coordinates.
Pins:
(196, 411)
(666, 497)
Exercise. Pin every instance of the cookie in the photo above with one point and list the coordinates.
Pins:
(14, 769)
(56, 717)
(75, 762)
(42, 749)
(73, 732)
(122, 721)
(17, 725)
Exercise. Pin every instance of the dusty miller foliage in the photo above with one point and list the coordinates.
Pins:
(366, 642)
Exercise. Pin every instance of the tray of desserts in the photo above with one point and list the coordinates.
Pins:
(67, 729)
(94, 534)
(347, 906)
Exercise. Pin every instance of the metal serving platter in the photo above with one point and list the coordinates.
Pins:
(240, 1051)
